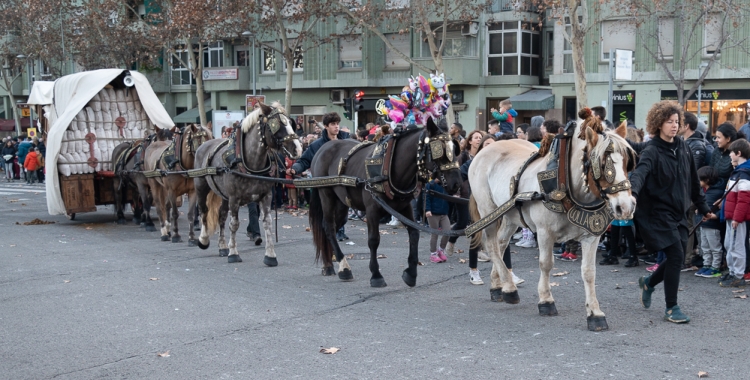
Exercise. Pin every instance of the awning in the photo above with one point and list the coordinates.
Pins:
(192, 115)
(10, 125)
(533, 100)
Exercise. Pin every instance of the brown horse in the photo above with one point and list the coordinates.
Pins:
(172, 159)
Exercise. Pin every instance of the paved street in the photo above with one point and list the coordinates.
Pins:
(89, 299)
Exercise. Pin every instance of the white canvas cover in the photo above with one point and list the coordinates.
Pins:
(71, 94)
(41, 93)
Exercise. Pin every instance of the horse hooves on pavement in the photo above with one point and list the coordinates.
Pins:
(142, 225)
(597, 323)
(270, 261)
(328, 271)
(512, 297)
(223, 252)
(346, 275)
(234, 259)
(378, 282)
(137, 221)
(150, 228)
(121, 221)
(192, 243)
(164, 237)
(176, 239)
(409, 279)
(547, 309)
(496, 295)
(202, 246)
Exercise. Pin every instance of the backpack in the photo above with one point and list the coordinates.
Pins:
(709, 153)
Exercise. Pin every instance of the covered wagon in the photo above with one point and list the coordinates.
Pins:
(88, 114)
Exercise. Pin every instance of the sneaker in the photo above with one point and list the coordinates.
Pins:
(650, 259)
(632, 262)
(517, 280)
(482, 256)
(441, 255)
(601, 247)
(646, 291)
(712, 272)
(611, 260)
(702, 271)
(557, 253)
(725, 276)
(569, 257)
(520, 243)
(746, 276)
(688, 268)
(435, 258)
(531, 243)
(474, 277)
(653, 268)
(733, 282)
(674, 314)
(394, 222)
(450, 249)
(517, 236)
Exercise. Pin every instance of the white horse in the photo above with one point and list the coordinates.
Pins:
(606, 157)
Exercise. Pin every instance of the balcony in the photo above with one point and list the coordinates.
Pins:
(510, 6)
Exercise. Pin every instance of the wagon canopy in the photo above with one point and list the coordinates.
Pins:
(70, 95)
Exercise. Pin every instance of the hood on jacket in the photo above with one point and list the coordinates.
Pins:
(513, 112)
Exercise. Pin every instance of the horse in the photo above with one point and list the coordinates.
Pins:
(128, 158)
(263, 133)
(165, 165)
(593, 182)
(329, 205)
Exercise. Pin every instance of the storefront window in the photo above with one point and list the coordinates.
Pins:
(717, 112)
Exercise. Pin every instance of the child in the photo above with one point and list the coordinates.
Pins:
(436, 210)
(713, 186)
(30, 165)
(505, 116)
(736, 211)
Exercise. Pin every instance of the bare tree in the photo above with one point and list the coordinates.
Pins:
(680, 35)
(12, 17)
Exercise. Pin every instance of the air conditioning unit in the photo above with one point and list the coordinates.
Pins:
(338, 96)
(471, 29)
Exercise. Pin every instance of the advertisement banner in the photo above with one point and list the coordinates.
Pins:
(225, 119)
(220, 74)
(252, 100)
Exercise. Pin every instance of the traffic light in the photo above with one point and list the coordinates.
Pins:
(357, 100)
(348, 108)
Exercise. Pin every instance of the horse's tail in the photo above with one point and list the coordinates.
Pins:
(323, 248)
(213, 202)
(476, 240)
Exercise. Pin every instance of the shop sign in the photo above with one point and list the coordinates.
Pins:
(220, 74)
(709, 95)
(623, 97)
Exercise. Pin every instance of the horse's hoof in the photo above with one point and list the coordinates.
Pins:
(137, 221)
(234, 259)
(142, 224)
(223, 252)
(597, 323)
(176, 239)
(205, 246)
(547, 309)
(378, 282)
(164, 237)
(409, 279)
(270, 261)
(346, 275)
(121, 221)
(496, 295)
(328, 271)
(150, 228)
(192, 243)
(512, 297)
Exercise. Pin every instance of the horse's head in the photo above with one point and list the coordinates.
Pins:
(194, 136)
(607, 160)
(277, 132)
(436, 156)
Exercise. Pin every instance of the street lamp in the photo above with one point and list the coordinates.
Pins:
(702, 67)
(250, 35)
(28, 81)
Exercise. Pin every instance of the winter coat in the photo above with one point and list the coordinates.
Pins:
(697, 145)
(289, 162)
(8, 150)
(737, 203)
(722, 163)
(665, 183)
(32, 162)
(713, 194)
(463, 158)
(23, 150)
(433, 204)
(506, 120)
(303, 163)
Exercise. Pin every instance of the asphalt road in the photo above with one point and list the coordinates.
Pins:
(89, 299)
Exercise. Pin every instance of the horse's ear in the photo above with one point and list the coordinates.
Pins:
(622, 130)
(174, 129)
(432, 128)
(265, 109)
(591, 137)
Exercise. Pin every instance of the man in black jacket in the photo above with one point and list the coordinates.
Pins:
(697, 145)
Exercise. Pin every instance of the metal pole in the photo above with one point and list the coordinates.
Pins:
(610, 109)
(253, 65)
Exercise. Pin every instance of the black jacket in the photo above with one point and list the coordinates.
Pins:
(665, 183)
(722, 163)
(697, 145)
(304, 162)
(713, 194)
(8, 150)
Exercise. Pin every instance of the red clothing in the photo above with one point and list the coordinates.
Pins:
(737, 202)
(32, 162)
(289, 164)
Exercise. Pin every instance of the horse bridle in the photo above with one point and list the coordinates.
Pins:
(273, 123)
(429, 150)
(592, 165)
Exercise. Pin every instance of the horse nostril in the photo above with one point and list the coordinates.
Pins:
(618, 210)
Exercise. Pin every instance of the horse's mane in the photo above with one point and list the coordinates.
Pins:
(254, 117)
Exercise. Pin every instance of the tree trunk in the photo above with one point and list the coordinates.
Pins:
(198, 74)
(579, 64)
(9, 88)
(289, 59)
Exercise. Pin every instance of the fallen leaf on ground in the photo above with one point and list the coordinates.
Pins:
(12, 200)
(153, 279)
(23, 204)
(554, 284)
(702, 374)
(66, 281)
(307, 229)
(460, 251)
(558, 274)
(461, 261)
(349, 256)
(89, 228)
(420, 263)
(331, 350)
(383, 232)
(631, 283)
(514, 252)
(738, 291)
(741, 297)
(12, 245)
(680, 289)
(381, 256)
(163, 354)
(287, 227)
(350, 243)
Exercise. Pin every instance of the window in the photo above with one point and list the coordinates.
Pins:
(242, 56)
(514, 49)
(567, 48)
(350, 53)
(298, 62)
(617, 34)
(401, 43)
(181, 75)
(714, 33)
(269, 59)
(213, 54)
(549, 46)
(666, 37)
(456, 45)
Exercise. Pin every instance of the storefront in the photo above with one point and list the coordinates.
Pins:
(717, 106)
(623, 107)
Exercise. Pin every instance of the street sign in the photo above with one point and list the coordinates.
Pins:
(623, 64)
(31, 132)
